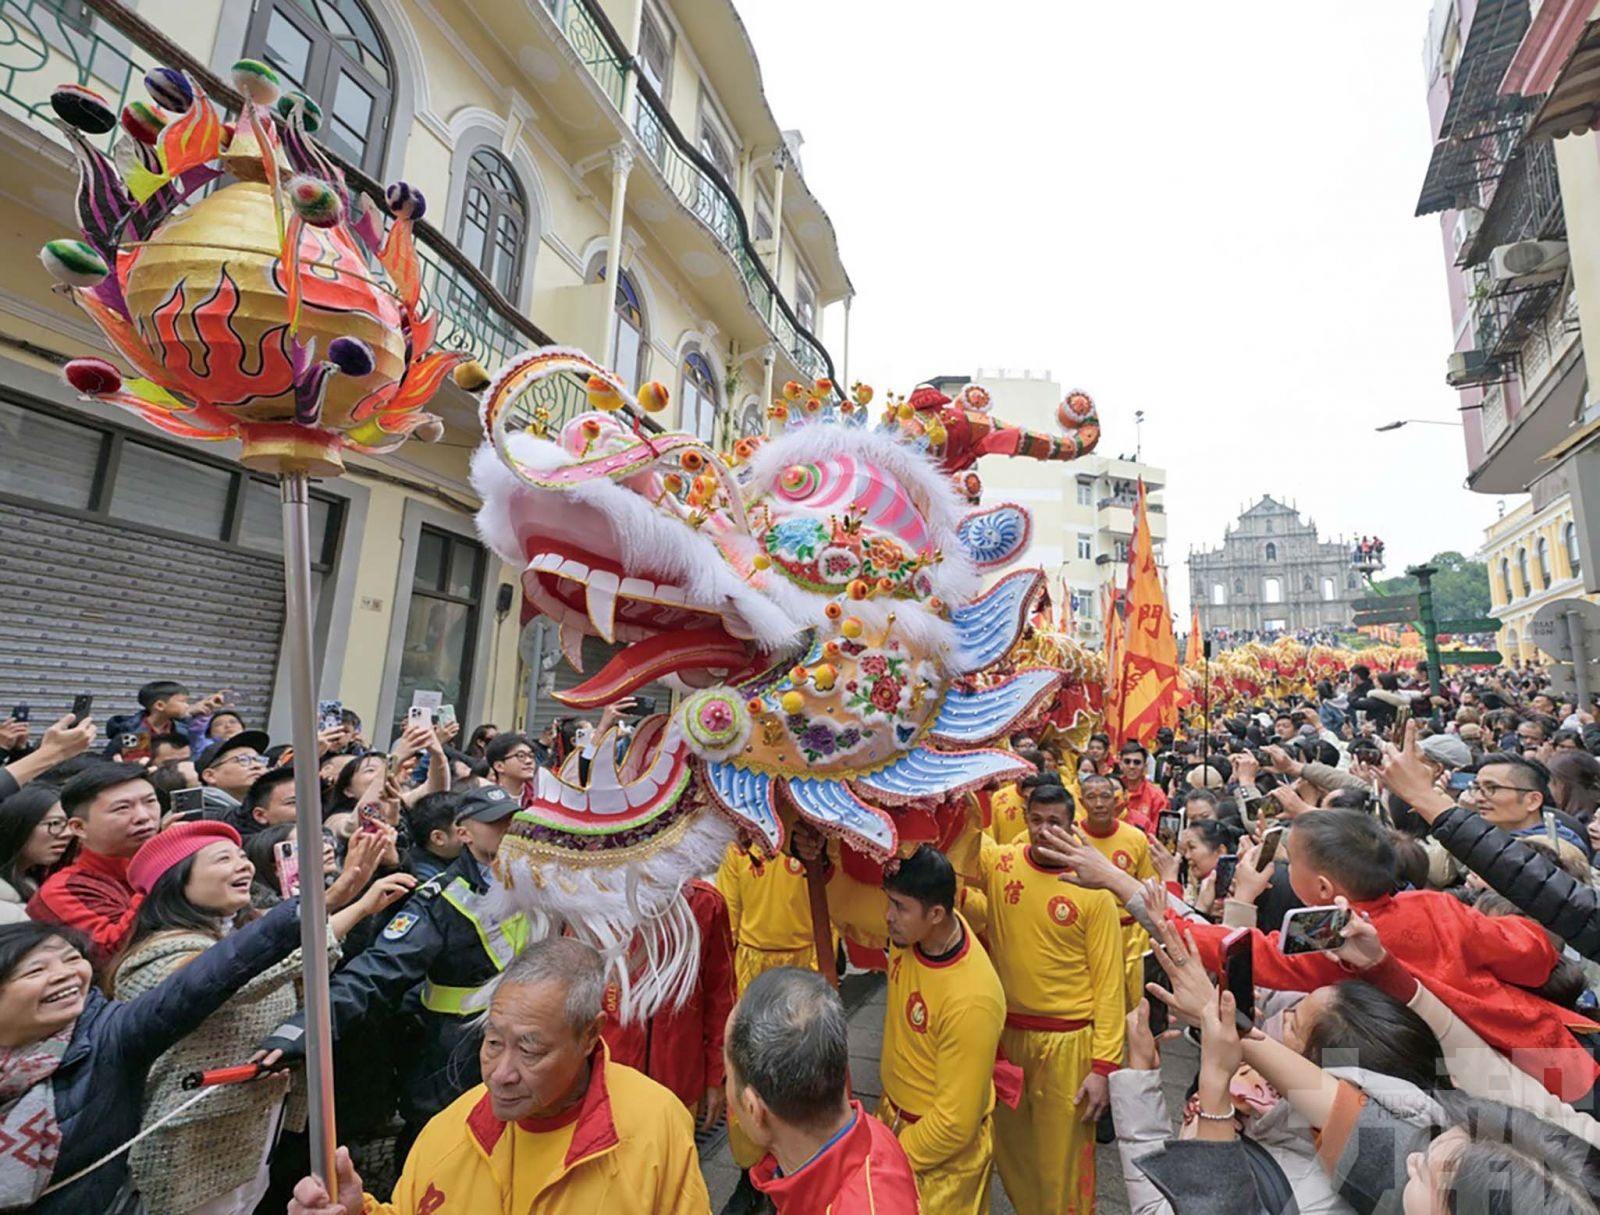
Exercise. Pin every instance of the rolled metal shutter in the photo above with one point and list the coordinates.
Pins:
(102, 608)
(596, 653)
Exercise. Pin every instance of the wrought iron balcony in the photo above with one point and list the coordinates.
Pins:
(1526, 204)
(106, 47)
(696, 182)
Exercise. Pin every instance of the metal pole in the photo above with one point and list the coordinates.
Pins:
(293, 492)
(1430, 631)
(1580, 657)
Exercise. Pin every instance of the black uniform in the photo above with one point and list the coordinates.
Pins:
(429, 943)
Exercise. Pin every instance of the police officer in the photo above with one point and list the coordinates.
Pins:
(438, 954)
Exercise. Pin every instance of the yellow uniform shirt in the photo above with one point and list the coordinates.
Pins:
(939, 1038)
(768, 906)
(1006, 820)
(1057, 946)
(1126, 847)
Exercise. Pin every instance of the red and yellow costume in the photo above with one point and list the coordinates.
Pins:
(627, 1147)
(1007, 814)
(1059, 954)
(862, 1172)
(681, 1048)
(1128, 848)
(940, 1032)
(769, 914)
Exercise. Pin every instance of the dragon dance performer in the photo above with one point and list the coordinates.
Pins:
(1128, 848)
(1058, 950)
(945, 1013)
(769, 913)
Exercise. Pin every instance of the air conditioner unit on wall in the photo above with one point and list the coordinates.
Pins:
(1528, 259)
(1468, 367)
(1468, 221)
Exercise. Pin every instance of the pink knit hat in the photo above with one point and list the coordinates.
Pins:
(172, 847)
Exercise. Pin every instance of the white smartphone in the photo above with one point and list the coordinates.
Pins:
(1313, 929)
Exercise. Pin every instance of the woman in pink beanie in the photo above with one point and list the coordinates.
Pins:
(196, 881)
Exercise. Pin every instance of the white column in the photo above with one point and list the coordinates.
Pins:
(844, 388)
(767, 357)
(621, 164)
(780, 163)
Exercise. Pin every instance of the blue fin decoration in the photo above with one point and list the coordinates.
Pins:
(990, 626)
(927, 774)
(996, 536)
(747, 797)
(978, 717)
(832, 806)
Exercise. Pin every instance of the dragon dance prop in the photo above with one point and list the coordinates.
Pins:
(817, 598)
(1246, 675)
(251, 311)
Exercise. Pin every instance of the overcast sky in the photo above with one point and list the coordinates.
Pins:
(1199, 210)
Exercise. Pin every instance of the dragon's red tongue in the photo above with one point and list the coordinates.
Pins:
(644, 661)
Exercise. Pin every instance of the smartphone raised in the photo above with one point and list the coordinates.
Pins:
(1313, 929)
(330, 715)
(1460, 780)
(21, 712)
(643, 706)
(188, 803)
(371, 817)
(1227, 866)
(1398, 735)
(447, 715)
(1236, 971)
(1550, 831)
(1169, 826)
(81, 704)
(287, 863)
(1270, 839)
(419, 715)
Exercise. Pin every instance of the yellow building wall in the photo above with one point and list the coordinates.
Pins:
(1522, 529)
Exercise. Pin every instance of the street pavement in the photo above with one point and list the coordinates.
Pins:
(865, 1002)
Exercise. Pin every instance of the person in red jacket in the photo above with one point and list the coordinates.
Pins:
(1486, 969)
(681, 1048)
(788, 1059)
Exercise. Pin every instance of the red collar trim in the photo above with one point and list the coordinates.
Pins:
(813, 1188)
(1100, 835)
(1027, 855)
(596, 1129)
(966, 945)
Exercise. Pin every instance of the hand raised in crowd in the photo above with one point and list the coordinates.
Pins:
(1192, 992)
(209, 705)
(311, 1196)
(448, 732)
(1221, 1052)
(1362, 950)
(1205, 896)
(386, 891)
(1246, 767)
(330, 741)
(1407, 774)
(1089, 867)
(807, 844)
(413, 740)
(63, 740)
(13, 734)
(367, 850)
(1162, 860)
(613, 713)
(1249, 883)
(1144, 1052)
(1282, 761)
(1290, 802)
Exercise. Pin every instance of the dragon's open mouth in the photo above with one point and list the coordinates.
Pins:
(664, 633)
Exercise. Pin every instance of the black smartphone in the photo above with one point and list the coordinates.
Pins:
(81, 704)
(188, 803)
(20, 713)
(1238, 973)
(643, 706)
(1160, 1014)
(1169, 826)
(1270, 839)
(1227, 866)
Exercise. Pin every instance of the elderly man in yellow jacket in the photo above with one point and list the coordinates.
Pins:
(555, 1127)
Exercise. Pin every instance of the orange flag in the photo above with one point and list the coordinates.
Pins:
(1191, 656)
(1147, 668)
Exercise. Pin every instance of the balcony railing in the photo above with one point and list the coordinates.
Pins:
(98, 43)
(693, 179)
(1526, 204)
(1155, 508)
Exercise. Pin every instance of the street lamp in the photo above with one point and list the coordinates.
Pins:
(1417, 421)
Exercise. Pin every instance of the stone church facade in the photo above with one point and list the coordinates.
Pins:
(1273, 574)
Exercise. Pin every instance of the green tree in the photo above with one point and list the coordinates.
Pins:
(1460, 588)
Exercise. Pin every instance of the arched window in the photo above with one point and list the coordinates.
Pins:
(1569, 536)
(1238, 586)
(1541, 552)
(1308, 585)
(628, 345)
(1513, 651)
(1353, 581)
(494, 220)
(1330, 590)
(1272, 590)
(332, 52)
(753, 421)
(1219, 595)
(1505, 579)
(1522, 571)
(699, 392)
(1272, 552)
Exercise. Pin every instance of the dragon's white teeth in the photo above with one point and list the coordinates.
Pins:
(638, 588)
(670, 594)
(602, 602)
(572, 643)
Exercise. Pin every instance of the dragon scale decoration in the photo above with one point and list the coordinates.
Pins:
(816, 597)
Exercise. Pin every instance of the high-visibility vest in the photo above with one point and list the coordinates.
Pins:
(502, 941)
